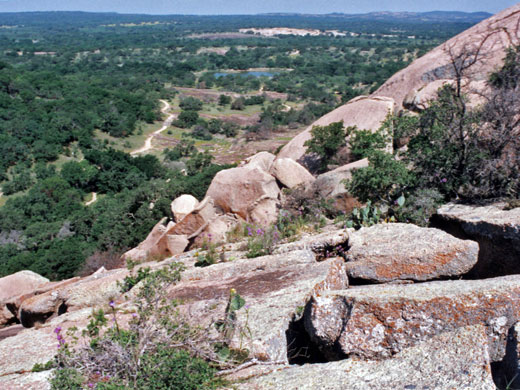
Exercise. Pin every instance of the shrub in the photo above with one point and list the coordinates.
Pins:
(326, 141)
(156, 352)
(223, 100)
(187, 119)
(191, 104)
(238, 104)
(364, 142)
(261, 242)
(420, 206)
(382, 181)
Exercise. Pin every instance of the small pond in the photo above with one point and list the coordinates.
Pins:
(250, 73)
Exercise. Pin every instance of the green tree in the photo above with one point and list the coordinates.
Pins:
(325, 142)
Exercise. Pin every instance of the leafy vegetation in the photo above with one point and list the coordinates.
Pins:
(454, 151)
(156, 352)
(325, 142)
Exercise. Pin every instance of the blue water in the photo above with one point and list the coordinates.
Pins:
(252, 73)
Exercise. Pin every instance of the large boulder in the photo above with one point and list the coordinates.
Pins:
(398, 251)
(495, 227)
(261, 160)
(367, 113)
(193, 223)
(20, 283)
(217, 230)
(240, 190)
(332, 184)
(275, 289)
(182, 206)
(149, 247)
(453, 360)
(484, 45)
(290, 173)
(19, 354)
(378, 321)
(92, 291)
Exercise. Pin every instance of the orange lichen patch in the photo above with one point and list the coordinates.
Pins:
(378, 327)
(396, 269)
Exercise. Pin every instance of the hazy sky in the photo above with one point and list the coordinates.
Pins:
(252, 6)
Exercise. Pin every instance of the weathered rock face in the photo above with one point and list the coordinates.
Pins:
(262, 160)
(176, 244)
(216, 231)
(239, 190)
(195, 222)
(419, 100)
(20, 283)
(182, 206)
(490, 38)
(398, 251)
(366, 113)
(379, 321)
(273, 288)
(290, 173)
(18, 355)
(149, 247)
(496, 230)
(452, 360)
(13, 289)
(332, 184)
(95, 290)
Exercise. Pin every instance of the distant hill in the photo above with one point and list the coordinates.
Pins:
(433, 16)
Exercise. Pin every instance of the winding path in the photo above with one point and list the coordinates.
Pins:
(148, 143)
(94, 198)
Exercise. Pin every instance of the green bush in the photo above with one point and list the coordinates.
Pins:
(325, 142)
(420, 206)
(170, 369)
(382, 181)
(363, 142)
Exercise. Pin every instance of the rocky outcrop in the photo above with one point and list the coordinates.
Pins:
(20, 283)
(92, 291)
(496, 229)
(367, 113)
(398, 251)
(274, 287)
(373, 322)
(182, 206)
(13, 289)
(453, 360)
(261, 160)
(484, 45)
(419, 100)
(332, 184)
(240, 190)
(150, 246)
(290, 173)
(217, 230)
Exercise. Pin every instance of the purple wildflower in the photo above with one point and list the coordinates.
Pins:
(444, 180)
(112, 304)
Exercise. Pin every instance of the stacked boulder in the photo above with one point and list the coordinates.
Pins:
(250, 193)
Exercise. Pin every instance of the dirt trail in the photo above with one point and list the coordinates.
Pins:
(148, 143)
(94, 198)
